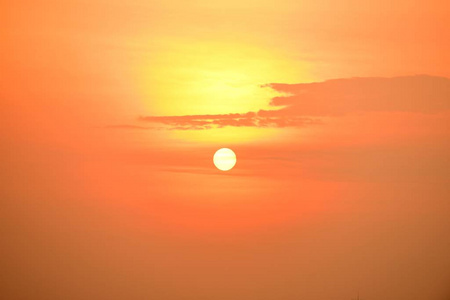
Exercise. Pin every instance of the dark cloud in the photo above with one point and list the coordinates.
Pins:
(422, 94)
(304, 104)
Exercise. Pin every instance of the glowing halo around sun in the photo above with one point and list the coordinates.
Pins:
(224, 159)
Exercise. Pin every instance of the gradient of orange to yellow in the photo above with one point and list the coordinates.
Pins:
(112, 112)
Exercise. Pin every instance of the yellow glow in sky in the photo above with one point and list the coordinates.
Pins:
(210, 77)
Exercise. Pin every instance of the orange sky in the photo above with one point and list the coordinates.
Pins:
(338, 112)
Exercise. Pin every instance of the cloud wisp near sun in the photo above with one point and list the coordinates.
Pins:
(305, 103)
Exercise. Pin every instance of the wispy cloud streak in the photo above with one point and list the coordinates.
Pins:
(261, 118)
(306, 104)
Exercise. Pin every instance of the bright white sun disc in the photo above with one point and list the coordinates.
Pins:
(224, 159)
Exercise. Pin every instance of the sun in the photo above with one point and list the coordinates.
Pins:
(224, 159)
